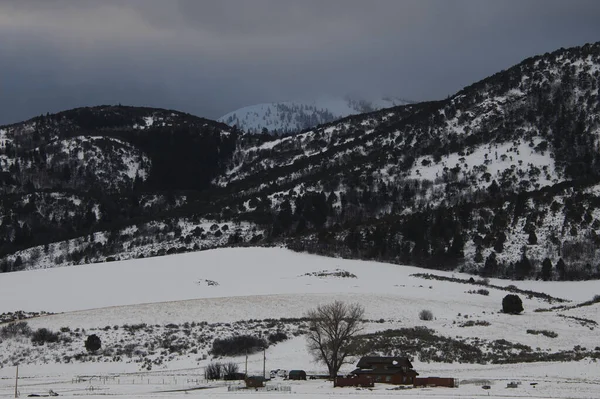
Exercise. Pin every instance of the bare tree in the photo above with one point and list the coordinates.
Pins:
(213, 371)
(332, 329)
(230, 370)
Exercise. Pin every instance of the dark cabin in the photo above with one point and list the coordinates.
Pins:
(234, 377)
(255, 382)
(297, 375)
(390, 370)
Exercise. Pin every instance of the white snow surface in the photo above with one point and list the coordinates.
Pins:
(240, 272)
(494, 159)
(259, 283)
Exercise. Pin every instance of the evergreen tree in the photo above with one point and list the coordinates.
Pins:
(547, 269)
(561, 268)
(523, 267)
(499, 243)
(93, 343)
(494, 189)
(457, 249)
(532, 240)
(352, 239)
(285, 214)
(491, 265)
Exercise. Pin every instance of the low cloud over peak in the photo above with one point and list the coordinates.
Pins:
(211, 57)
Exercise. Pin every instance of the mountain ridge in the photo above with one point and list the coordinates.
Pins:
(463, 183)
(294, 116)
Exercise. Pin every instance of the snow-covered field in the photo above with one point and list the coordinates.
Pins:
(228, 285)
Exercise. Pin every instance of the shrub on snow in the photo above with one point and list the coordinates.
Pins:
(93, 343)
(512, 304)
(237, 345)
(43, 335)
(426, 315)
(14, 329)
(213, 371)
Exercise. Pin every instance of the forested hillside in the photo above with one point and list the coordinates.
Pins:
(501, 179)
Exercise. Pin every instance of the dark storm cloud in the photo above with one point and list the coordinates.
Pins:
(210, 57)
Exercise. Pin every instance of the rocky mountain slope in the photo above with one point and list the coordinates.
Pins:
(501, 179)
(295, 116)
(463, 182)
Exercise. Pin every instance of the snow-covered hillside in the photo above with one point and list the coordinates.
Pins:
(139, 241)
(294, 116)
(158, 317)
(500, 179)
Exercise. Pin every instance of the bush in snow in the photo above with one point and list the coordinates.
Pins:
(43, 335)
(237, 345)
(512, 304)
(546, 333)
(230, 371)
(472, 323)
(14, 329)
(213, 371)
(426, 315)
(279, 336)
(93, 343)
(481, 291)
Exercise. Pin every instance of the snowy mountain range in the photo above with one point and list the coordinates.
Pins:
(189, 236)
(500, 179)
(295, 116)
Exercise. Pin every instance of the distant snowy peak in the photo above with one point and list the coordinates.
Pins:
(294, 116)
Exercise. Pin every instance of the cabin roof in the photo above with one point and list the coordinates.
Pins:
(367, 362)
(384, 372)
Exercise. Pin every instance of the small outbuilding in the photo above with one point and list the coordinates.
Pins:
(234, 377)
(255, 382)
(297, 375)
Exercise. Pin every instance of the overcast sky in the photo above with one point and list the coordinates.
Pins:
(209, 57)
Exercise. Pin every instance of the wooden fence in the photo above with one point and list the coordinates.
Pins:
(436, 382)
